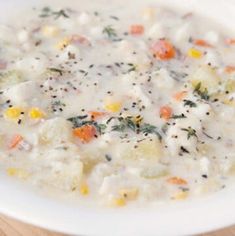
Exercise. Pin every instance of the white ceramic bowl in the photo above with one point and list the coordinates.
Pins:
(185, 218)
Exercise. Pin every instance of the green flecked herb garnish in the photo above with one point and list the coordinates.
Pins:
(181, 116)
(203, 93)
(110, 31)
(79, 121)
(130, 123)
(132, 67)
(47, 12)
(189, 103)
(56, 70)
(123, 124)
(190, 132)
(150, 129)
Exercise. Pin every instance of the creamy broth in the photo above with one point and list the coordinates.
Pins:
(121, 105)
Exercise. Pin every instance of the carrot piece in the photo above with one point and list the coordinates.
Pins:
(165, 112)
(229, 69)
(15, 141)
(177, 181)
(136, 29)
(96, 114)
(163, 50)
(79, 39)
(230, 41)
(202, 43)
(85, 133)
(180, 95)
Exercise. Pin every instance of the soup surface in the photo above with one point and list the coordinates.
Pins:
(118, 104)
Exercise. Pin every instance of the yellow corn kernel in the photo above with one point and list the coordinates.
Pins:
(180, 195)
(35, 113)
(13, 112)
(50, 31)
(118, 202)
(17, 172)
(129, 193)
(113, 107)
(63, 44)
(84, 189)
(194, 53)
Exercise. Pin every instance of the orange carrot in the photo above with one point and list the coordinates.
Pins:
(15, 141)
(230, 41)
(85, 133)
(202, 43)
(165, 112)
(79, 39)
(96, 114)
(163, 50)
(180, 95)
(229, 69)
(136, 29)
(177, 181)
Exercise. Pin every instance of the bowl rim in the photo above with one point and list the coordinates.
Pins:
(185, 218)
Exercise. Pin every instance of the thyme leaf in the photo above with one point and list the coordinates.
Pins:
(189, 103)
(47, 12)
(56, 70)
(181, 116)
(135, 125)
(79, 121)
(150, 129)
(110, 31)
(190, 132)
(203, 93)
(132, 67)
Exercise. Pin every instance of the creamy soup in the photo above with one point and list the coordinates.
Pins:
(117, 104)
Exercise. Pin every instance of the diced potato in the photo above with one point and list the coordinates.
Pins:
(207, 77)
(153, 172)
(180, 195)
(148, 13)
(129, 193)
(208, 186)
(23, 93)
(230, 85)
(50, 31)
(10, 78)
(231, 169)
(150, 150)
(68, 177)
(56, 130)
(204, 148)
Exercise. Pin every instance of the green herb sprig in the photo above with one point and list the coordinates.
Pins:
(110, 32)
(190, 132)
(47, 12)
(203, 93)
(189, 103)
(79, 121)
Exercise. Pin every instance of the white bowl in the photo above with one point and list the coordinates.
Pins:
(185, 218)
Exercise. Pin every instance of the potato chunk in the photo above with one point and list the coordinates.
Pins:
(55, 131)
(148, 149)
(207, 77)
